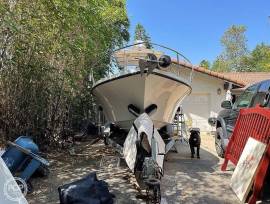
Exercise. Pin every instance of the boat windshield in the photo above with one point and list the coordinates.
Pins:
(134, 58)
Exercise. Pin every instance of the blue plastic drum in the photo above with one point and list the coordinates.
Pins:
(14, 158)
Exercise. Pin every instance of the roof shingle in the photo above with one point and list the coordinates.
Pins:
(248, 77)
(239, 78)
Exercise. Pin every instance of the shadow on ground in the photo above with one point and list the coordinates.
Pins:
(186, 180)
(65, 169)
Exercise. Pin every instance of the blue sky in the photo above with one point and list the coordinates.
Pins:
(195, 27)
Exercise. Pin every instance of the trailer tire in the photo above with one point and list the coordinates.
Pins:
(219, 142)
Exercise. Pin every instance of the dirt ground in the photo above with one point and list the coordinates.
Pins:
(186, 180)
(65, 169)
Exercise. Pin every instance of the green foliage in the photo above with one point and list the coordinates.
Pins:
(220, 65)
(48, 49)
(259, 59)
(205, 64)
(234, 41)
(236, 57)
(140, 34)
(235, 50)
(235, 47)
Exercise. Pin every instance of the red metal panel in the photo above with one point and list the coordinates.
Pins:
(255, 123)
(252, 122)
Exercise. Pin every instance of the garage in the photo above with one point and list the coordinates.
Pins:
(208, 91)
(200, 111)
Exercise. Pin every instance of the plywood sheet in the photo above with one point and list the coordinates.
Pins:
(245, 170)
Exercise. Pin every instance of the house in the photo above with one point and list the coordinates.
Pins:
(209, 90)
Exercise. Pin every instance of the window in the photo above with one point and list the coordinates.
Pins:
(260, 96)
(265, 87)
(245, 98)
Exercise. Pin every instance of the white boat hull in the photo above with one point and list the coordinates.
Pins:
(161, 88)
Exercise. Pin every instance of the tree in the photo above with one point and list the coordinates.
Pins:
(140, 34)
(205, 64)
(236, 57)
(220, 65)
(234, 43)
(260, 57)
(47, 50)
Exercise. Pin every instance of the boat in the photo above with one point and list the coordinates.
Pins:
(132, 91)
(138, 102)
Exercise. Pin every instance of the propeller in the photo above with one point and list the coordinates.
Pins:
(134, 110)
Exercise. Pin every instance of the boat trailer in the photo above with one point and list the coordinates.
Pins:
(143, 151)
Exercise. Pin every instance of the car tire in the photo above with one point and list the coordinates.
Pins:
(219, 142)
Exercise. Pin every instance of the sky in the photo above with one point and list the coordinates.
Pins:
(195, 27)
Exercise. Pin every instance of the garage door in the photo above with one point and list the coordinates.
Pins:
(197, 108)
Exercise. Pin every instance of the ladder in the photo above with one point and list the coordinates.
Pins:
(180, 125)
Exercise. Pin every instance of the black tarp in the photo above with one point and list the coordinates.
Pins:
(88, 190)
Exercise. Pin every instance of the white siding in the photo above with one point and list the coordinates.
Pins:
(204, 101)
